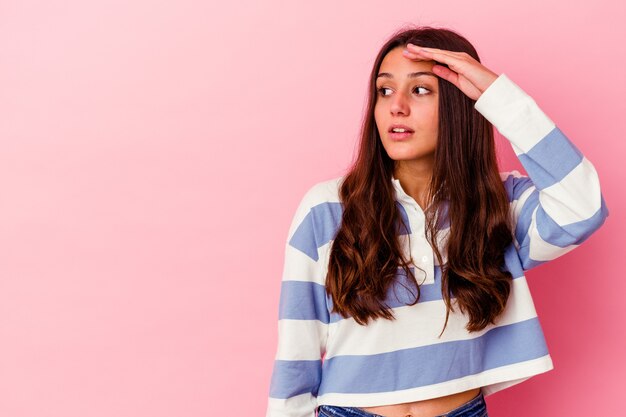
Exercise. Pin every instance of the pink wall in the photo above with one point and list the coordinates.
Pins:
(153, 154)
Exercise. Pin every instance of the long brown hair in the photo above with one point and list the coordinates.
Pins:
(366, 252)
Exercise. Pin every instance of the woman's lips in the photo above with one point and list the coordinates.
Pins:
(400, 136)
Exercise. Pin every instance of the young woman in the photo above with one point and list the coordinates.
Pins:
(403, 292)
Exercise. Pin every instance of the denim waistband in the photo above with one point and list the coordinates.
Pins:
(476, 407)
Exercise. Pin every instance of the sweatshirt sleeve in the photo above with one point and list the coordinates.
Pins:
(302, 319)
(558, 205)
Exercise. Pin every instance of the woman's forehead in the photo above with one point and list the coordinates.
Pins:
(398, 66)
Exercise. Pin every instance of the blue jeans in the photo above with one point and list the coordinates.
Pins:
(475, 407)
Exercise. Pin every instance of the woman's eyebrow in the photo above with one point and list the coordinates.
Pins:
(409, 75)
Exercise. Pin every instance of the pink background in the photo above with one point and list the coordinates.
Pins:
(154, 152)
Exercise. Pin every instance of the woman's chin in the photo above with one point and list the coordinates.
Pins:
(410, 156)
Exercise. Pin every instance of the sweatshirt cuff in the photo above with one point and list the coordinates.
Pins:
(514, 113)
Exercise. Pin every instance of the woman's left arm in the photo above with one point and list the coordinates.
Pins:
(559, 204)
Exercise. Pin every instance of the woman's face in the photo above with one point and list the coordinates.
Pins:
(408, 99)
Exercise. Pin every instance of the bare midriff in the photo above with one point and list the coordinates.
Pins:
(425, 408)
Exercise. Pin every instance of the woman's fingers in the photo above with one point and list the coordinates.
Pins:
(452, 73)
(459, 81)
(417, 48)
(454, 60)
(457, 61)
(469, 75)
(446, 74)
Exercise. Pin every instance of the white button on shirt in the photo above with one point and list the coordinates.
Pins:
(418, 243)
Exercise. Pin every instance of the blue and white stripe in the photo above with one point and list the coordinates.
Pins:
(559, 204)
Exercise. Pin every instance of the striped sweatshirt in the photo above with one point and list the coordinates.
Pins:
(324, 358)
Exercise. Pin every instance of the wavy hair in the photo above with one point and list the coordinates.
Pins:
(366, 252)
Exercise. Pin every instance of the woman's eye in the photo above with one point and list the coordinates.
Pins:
(381, 91)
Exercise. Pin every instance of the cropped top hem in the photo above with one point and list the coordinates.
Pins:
(490, 381)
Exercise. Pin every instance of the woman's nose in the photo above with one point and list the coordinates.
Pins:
(399, 104)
